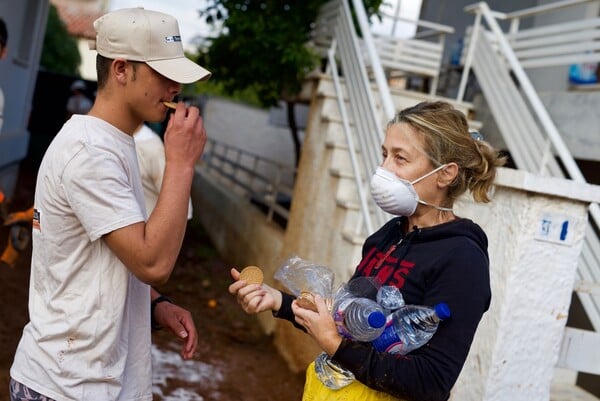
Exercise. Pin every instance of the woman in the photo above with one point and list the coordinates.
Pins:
(429, 159)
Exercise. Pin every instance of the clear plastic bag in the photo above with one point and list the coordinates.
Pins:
(316, 390)
(358, 287)
(298, 275)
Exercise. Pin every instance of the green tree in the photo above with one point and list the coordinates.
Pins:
(60, 53)
(262, 47)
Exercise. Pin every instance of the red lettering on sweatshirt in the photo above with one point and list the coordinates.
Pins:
(385, 267)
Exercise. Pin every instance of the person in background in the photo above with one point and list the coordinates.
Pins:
(3, 53)
(78, 102)
(96, 252)
(150, 151)
(432, 255)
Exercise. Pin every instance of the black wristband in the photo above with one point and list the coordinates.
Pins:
(156, 301)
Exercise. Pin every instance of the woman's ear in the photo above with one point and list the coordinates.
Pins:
(448, 174)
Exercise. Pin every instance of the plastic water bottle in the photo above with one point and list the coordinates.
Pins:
(410, 327)
(361, 319)
(331, 374)
(390, 298)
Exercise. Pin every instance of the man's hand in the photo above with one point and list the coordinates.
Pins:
(185, 136)
(180, 322)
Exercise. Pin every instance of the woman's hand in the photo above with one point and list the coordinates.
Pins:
(254, 298)
(319, 325)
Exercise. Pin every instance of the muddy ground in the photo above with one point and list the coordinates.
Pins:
(235, 361)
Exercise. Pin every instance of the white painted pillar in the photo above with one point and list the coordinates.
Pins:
(535, 227)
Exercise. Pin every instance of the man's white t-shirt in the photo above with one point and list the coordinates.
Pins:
(88, 338)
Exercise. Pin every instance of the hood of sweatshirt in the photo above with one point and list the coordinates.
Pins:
(418, 260)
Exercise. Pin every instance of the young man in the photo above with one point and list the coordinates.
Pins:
(95, 251)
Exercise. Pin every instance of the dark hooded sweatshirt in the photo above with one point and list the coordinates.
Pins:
(444, 263)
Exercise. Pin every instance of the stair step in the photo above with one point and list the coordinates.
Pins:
(341, 173)
(346, 189)
(355, 239)
(347, 204)
(570, 392)
(330, 143)
(587, 287)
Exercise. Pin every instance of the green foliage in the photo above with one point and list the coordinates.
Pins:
(60, 53)
(262, 46)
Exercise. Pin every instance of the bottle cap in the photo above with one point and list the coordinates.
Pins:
(442, 310)
(376, 319)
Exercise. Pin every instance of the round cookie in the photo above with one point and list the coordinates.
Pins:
(252, 275)
(306, 300)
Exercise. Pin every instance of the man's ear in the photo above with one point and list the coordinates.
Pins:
(119, 68)
(448, 174)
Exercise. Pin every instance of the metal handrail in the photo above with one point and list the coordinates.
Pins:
(433, 26)
(543, 9)
(368, 126)
(380, 79)
(258, 178)
(364, 207)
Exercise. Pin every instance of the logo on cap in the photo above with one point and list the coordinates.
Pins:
(171, 39)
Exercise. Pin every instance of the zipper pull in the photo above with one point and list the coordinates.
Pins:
(388, 253)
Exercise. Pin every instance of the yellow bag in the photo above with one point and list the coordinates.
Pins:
(314, 390)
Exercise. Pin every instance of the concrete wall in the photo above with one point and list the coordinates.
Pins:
(532, 270)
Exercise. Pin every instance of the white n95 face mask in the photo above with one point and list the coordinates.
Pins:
(395, 195)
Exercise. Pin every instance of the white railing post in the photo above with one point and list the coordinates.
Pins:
(364, 207)
(380, 79)
(469, 59)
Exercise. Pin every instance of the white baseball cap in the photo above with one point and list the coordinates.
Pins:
(137, 34)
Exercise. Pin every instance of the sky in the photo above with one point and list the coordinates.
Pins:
(193, 27)
(408, 9)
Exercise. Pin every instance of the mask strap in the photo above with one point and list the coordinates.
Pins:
(444, 209)
(428, 174)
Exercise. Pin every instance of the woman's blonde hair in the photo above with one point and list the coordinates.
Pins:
(447, 139)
